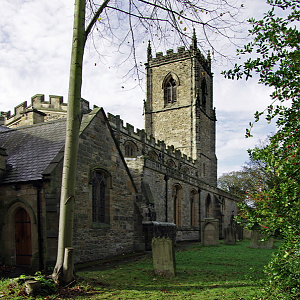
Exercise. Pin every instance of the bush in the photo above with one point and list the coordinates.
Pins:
(283, 271)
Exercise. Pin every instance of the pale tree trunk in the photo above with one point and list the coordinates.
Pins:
(65, 236)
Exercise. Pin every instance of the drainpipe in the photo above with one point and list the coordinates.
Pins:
(166, 178)
(199, 211)
(38, 186)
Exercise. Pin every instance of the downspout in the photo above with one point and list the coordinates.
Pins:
(38, 186)
(199, 211)
(166, 178)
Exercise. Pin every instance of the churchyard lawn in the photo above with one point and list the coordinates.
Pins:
(217, 272)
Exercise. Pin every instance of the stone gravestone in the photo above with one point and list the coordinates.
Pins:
(163, 257)
(230, 236)
(256, 242)
(210, 232)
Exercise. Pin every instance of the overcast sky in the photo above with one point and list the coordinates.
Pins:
(35, 44)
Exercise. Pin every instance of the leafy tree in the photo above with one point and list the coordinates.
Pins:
(275, 57)
(250, 178)
(160, 20)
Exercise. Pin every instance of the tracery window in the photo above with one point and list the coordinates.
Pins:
(193, 213)
(130, 149)
(170, 91)
(177, 210)
(208, 207)
(204, 93)
(100, 197)
(171, 164)
(153, 155)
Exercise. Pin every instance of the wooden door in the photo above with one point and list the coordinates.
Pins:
(23, 237)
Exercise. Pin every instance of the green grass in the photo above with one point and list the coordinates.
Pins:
(223, 272)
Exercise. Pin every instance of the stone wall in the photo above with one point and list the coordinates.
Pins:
(93, 241)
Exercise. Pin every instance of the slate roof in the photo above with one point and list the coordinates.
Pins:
(31, 149)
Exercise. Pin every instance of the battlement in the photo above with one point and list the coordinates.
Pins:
(181, 54)
(141, 137)
(39, 111)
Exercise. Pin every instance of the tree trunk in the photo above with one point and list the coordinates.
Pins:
(65, 235)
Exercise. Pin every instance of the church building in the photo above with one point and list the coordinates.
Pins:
(131, 184)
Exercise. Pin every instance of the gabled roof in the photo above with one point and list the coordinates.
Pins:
(30, 149)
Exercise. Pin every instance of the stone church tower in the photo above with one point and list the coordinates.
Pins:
(179, 105)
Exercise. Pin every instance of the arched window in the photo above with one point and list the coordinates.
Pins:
(193, 213)
(170, 91)
(130, 149)
(100, 197)
(204, 94)
(208, 207)
(177, 196)
(153, 155)
(171, 164)
(185, 170)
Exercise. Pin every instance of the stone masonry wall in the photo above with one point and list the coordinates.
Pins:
(97, 241)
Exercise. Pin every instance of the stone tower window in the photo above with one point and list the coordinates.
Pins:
(130, 149)
(100, 197)
(204, 94)
(170, 91)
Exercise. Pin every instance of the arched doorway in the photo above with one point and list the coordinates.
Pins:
(23, 237)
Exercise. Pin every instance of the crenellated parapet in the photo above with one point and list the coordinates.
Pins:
(39, 111)
(159, 155)
(181, 54)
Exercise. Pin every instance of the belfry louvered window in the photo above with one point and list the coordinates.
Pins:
(170, 91)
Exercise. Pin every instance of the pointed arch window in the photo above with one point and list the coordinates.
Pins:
(170, 91)
(100, 197)
(177, 213)
(193, 212)
(130, 149)
(208, 207)
(204, 93)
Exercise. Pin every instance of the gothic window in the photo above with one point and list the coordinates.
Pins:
(170, 91)
(100, 197)
(185, 170)
(204, 93)
(193, 213)
(208, 207)
(130, 149)
(177, 196)
(153, 155)
(171, 164)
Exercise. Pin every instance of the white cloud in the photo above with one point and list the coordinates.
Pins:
(35, 44)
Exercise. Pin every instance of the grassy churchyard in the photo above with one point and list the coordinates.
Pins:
(220, 272)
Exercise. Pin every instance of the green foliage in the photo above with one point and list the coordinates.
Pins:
(284, 271)
(15, 289)
(252, 176)
(47, 284)
(275, 58)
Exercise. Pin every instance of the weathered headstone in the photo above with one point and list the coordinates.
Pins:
(163, 257)
(230, 236)
(156, 229)
(210, 232)
(257, 243)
